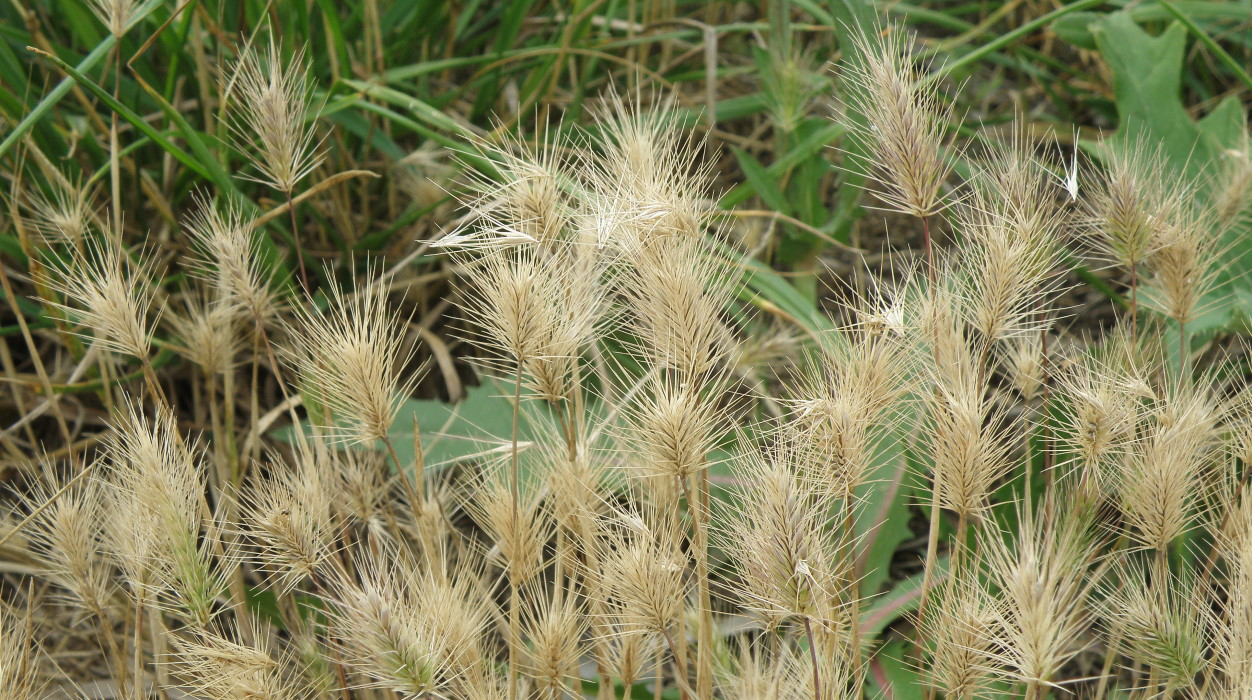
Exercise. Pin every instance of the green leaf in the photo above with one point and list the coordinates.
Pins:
(903, 598)
(61, 90)
(882, 521)
(454, 432)
(477, 425)
(893, 672)
(766, 186)
(1147, 80)
(1076, 29)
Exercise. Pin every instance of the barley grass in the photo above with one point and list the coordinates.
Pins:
(687, 501)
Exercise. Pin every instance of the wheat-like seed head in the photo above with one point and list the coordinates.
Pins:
(1045, 577)
(527, 203)
(108, 293)
(1025, 362)
(676, 296)
(960, 635)
(780, 533)
(846, 406)
(229, 257)
(1233, 203)
(408, 631)
(64, 214)
(275, 114)
(671, 428)
(350, 359)
(1102, 414)
(903, 133)
(209, 333)
(643, 569)
(220, 665)
(650, 181)
(1130, 202)
(1165, 473)
(359, 489)
(1011, 224)
(967, 437)
(19, 675)
(554, 632)
(67, 539)
(1164, 619)
(287, 515)
(518, 529)
(1181, 265)
(516, 301)
(156, 487)
(115, 15)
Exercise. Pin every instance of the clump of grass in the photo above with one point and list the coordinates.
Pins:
(686, 500)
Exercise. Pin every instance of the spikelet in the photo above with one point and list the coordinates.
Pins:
(649, 183)
(19, 675)
(518, 530)
(1181, 265)
(1102, 414)
(288, 517)
(527, 205)
(516, 301)
(1045, 575)
(1164, 475)
(643, 570)
(229, 258)
(782, 539)
(677, 293)
(108, 293)
(1010, 251)
(410, 632)
(672, 428)
(554, 632)
(1024, 361)
(847, 406)
(208, 333)
(65, 214)
(359, 486)
(625, 647)
(539, 308)
(903, 132)
(350, 359)
(1137, 193)
(960, 633)
(967, 438)
(273, 115)
(1234, 639)
(1164, 620)
(115, 15)
(67, 538)
(222, 666)
(156, 487)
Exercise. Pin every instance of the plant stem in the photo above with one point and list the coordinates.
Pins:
(515, 486)
(930, 259)
(817, 678)
(115, 170)
(932, 552)
(295, 236)
(704, 650)
(1134, 302)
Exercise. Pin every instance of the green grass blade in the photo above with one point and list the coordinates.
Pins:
(52, 98)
